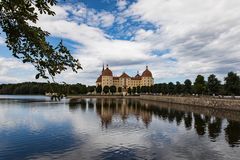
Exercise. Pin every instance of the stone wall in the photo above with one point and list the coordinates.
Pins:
(207, 111)
(230, 104)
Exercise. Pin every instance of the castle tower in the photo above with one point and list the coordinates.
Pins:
(147, 78)
(107, 77)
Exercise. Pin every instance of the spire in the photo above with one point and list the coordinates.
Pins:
(137, 72)
(107, 65)
(103, 67)
(146, 67)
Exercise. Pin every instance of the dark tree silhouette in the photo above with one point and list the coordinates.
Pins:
(213, 84)
(113, 89)
(199, 85)
(171, 88)
(178, 88)
(232, 83)
(232, 133)
(99, 89)
(187, 86)
(129, 91)
(91, 89)
(134, 89)
(138, 89)
(106, 89)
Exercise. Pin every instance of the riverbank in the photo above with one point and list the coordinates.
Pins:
(209, 102)
(228, 104)
(208, 111)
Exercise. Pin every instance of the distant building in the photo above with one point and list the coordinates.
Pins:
(125, 81)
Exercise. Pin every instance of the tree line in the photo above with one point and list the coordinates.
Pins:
(34, 88)
(201, 86)
(211, 85)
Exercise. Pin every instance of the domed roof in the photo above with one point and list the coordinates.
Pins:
(99, 79)
(124, 75)
(107, 72)
(147, 73)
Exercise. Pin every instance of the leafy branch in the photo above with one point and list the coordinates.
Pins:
(28, 42)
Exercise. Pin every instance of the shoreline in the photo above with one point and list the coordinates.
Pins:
(207, 102)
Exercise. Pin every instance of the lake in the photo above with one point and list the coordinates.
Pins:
(33, 127)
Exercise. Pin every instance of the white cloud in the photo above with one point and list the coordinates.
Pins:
(203, 36)
(106, 19)
(122, 4)
(143, 34)
(96, 47)
(200, 37)
(13, 71)
(82, 14)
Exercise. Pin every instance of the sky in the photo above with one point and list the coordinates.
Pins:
(177, 39)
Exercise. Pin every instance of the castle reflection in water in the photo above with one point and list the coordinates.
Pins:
(199, 119)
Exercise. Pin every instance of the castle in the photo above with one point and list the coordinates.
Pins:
(124, 81)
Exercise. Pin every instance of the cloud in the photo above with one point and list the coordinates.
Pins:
(82, 14)
(95, 46)
(177, 39)
(13, 71)
(203, 36)
(200, 37)
(122, 4)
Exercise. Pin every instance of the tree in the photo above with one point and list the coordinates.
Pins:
(129, 91)
(143, 89)
(213, 84)
(106, 89)
(134, 90)
(99, 89)
(152, 89)
(164, 88)
(171, 88)
(178, 88)
(34, 90)
(29, 88)
(138, 89)
(119, 89)
(156, 88)
(199, 85)
(148, 89)
(232, 83)
(81, 89)
(91, 89)
(113, 89)
(28, 42)
(187, 86)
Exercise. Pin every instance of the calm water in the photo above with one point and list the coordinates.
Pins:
(34, 128)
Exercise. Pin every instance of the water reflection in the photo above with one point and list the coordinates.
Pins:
(188, 120)
(214, 128)
(232, 133)
(107, 109)
(116, 129)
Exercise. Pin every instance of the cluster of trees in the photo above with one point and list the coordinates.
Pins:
(210, 86)
(33, 88)
(107, 89)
